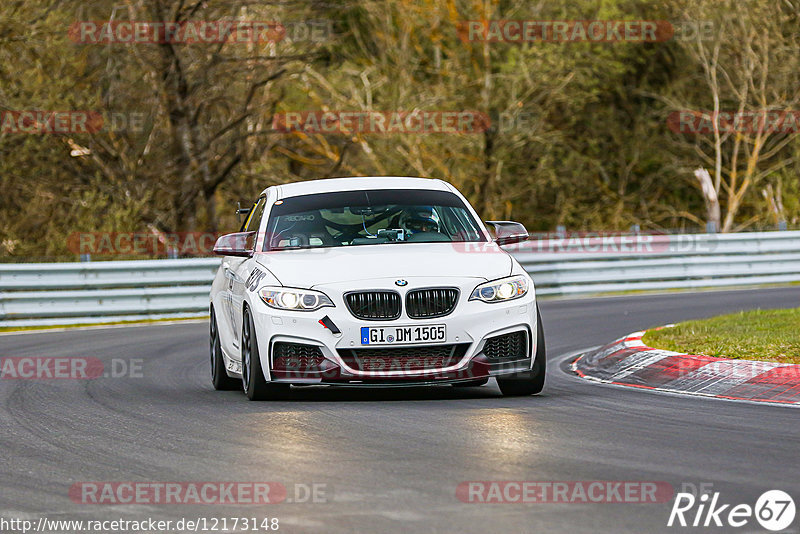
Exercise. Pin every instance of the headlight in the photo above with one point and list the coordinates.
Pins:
(294, 299)
(501, 290)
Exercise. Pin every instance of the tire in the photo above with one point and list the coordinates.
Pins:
(254, 384)
(472, 383)
(532, 382)
(219, 378)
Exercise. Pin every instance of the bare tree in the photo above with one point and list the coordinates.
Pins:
(751, 77)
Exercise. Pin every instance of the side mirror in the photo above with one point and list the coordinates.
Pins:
(238, 244)
(508, 232)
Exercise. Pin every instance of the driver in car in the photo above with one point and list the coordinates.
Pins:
(420, 220)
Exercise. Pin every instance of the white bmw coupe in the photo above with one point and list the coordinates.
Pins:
(376, 281)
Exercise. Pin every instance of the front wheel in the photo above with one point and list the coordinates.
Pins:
(530, 382)
(254, 384)
(219, 378)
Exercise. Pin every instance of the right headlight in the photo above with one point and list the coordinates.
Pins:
(283, 298)
(501, 290)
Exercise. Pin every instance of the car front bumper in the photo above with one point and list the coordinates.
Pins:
(469, 327)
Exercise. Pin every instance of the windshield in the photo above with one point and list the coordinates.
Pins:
(372, 217)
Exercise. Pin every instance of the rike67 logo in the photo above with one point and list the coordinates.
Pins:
(774, 510)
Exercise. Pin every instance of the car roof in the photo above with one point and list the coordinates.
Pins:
(359, 183)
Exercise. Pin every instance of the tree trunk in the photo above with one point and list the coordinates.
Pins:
(710, 197)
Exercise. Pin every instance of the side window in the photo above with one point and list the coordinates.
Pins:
(256, 213)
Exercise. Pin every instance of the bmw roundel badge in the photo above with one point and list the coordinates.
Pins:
(401, 283)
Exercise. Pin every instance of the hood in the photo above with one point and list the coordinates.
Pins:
(312, 267)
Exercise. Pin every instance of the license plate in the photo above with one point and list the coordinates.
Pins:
(391, 335)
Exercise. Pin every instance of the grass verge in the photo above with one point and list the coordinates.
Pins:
(768, 335)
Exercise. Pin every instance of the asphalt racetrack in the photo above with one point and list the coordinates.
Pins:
(388, 460)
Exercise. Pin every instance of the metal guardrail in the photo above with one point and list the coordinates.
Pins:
(40, 294)
(97, 292)
(641, 263)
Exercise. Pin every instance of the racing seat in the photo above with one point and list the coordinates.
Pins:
(310, 230)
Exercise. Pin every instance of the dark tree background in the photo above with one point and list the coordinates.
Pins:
(579, 133)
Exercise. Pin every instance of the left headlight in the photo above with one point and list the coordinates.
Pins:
(286, 298)
(501, 290)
